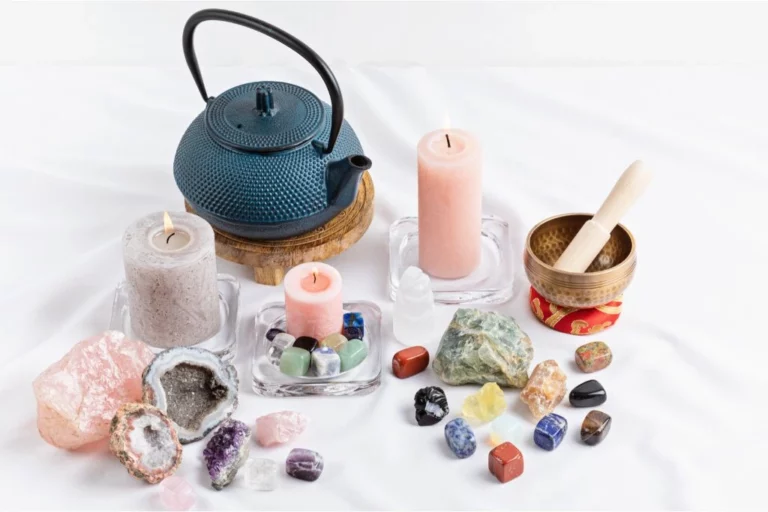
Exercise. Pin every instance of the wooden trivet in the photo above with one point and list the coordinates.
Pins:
(271, 259)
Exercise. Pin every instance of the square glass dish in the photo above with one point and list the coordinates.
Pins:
(268, 380)
(223, 343)
(490, 283)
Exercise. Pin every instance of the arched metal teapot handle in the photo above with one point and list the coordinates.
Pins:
(337, 103)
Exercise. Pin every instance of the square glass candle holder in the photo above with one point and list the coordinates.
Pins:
(223, 343)
(490, 283)
(268, 380)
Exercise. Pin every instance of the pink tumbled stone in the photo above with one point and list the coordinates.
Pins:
(279, 427)
(177, 494)
(78, 395)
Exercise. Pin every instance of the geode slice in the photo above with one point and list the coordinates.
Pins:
(194, 387)
(483, 346)
(145, 442)
(226, 452)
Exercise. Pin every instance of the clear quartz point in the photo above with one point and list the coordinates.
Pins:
(414, 311)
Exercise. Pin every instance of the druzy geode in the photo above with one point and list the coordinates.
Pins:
(483, 346)
(226, 451)
(144, 441)
(431, 406)
(194, 387)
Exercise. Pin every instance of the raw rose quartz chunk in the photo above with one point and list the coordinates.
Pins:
(177, 494)
(545, 388)
(279, 427)
(78, 395)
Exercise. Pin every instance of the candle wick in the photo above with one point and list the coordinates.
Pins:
(169, 237)
(314, 278)
(448, 140)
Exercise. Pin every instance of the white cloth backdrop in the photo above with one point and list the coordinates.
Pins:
(84, 151)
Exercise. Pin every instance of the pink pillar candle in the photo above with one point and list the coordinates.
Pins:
(450, 203)
(313, 300)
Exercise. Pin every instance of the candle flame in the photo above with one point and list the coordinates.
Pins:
(167, 223)
(446, 122)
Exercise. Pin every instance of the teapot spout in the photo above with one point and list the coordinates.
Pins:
(343, 177)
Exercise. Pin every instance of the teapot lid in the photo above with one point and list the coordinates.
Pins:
(264, 117)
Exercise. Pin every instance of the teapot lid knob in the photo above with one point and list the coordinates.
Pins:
(265, 103)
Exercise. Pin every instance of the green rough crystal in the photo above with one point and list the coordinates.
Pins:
(483, 346)
(294, 361)
(352, 353)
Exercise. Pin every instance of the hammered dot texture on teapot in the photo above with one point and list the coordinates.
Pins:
(286, 187)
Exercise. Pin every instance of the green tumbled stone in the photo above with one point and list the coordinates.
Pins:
(352, 353)
(294, 361)
(483, 346)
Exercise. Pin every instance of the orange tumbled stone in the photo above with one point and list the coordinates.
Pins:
(505, 462)
(410, 361)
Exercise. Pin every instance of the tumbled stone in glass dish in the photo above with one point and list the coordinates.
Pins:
(268, 380)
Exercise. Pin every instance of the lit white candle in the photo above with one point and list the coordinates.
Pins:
(170, 269)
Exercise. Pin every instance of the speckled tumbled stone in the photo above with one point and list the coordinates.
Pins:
(273, 332)
(483, 346)
(550, 431)
(460, 438)
(593, 356)
(353, 325)
(325, 362)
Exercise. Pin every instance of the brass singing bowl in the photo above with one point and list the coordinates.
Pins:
(606, 278)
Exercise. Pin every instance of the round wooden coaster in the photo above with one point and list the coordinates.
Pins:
(270, 259)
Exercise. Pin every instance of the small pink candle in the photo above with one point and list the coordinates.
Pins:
(313, 300)
(450, 203)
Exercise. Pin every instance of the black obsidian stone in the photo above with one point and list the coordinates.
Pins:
(431, 405)
(308, 343)
(588, 394)
(273, 332)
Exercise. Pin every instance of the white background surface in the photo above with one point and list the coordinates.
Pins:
(86, 146)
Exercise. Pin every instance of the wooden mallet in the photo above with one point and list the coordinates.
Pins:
(593, 236)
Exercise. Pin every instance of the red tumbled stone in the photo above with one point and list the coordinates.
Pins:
(410, 361)
(506, 462)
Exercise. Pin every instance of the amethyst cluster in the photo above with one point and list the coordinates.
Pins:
(226, 452)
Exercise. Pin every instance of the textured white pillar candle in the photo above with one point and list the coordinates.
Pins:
(171, 277)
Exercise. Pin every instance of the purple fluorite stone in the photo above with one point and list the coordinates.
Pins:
(304, 464)
(226, 452)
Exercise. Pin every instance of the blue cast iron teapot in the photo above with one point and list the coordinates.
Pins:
(267, 160)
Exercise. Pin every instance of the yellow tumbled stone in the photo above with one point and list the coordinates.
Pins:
(334, 341)
(485, 405)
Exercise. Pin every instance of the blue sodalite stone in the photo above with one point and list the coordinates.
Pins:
(326, 362)
(352, 333)
(460, 438)
(353, 321)
(550, 431)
